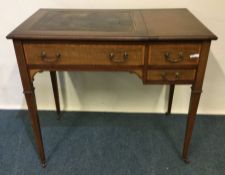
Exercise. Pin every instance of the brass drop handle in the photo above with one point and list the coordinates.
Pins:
(164, 76)
(174, 60)
(45, 58)
(111, 55)
(177, 75)
(125, 56)
(114, 59)
(43, 54)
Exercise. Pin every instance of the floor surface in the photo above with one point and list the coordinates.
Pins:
(84, 143)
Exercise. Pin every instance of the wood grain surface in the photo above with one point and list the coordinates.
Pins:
(174, 75)
(142, 25)
(178, 54)
(84, 54)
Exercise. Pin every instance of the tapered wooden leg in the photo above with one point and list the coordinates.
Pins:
(32, 108)
(171, 92)
(195, 97)
(30, 99)
(194, 101)
(55, 90)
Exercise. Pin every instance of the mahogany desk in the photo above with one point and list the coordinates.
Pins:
(162, 46)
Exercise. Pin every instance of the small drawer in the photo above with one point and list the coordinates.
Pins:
(171, 75)
(174, 54)
(83, 54)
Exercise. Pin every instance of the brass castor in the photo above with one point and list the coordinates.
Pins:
(43, 164)
(167, 113)
(59, 115)
(186, 161)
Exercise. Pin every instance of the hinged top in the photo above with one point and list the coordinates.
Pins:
(155, 24)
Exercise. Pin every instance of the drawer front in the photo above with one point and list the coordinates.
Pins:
(174, 54)
(84, 54)
(171, 75)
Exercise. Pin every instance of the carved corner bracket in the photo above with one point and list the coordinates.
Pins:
(139, 73)
(33, 72)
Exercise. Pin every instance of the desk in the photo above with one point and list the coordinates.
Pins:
(162, 46)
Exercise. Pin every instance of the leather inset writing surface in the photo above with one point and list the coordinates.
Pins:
(101, 21)
(132, 25)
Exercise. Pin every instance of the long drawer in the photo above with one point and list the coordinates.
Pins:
(84, 54)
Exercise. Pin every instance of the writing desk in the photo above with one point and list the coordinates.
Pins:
(162, 46)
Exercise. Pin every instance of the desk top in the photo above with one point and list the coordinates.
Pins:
(147, 24)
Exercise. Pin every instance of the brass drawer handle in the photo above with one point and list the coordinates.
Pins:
(45, 58)
(114, 59)
(174, 60)
(164, 76)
